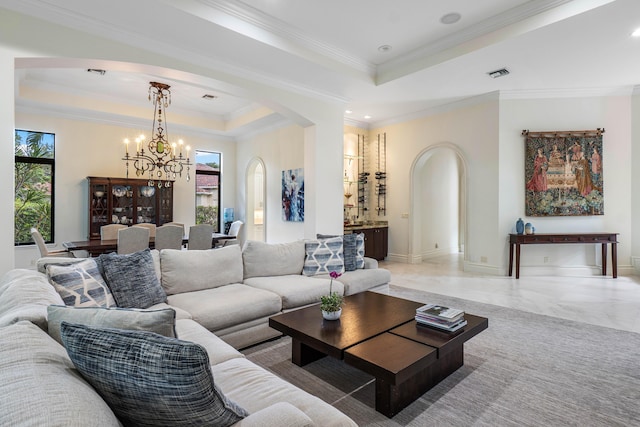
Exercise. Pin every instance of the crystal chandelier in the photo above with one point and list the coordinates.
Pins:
(162, 160)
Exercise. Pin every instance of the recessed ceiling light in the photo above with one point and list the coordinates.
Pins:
(384, 48)
(636, 32)
(207, 96)
(450, 18)
(367, 116)
(348, 111)
(96, 71)
(498, 73)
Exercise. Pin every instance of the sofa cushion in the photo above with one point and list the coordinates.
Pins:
(39, 385)
(360, 280)
(323, 256)
(159, 321)
(132, 279)
(278, 414)
(187, 271)
(255, 389)
(148, 379)
(81, 284)
(25, 295)
(296, 290)
(227, 305)
(272, 259)
(218, 350)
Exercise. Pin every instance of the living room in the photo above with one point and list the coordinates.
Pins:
(310, 134)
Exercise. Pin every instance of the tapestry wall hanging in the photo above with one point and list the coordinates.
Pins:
(563, 173)
(293, 195)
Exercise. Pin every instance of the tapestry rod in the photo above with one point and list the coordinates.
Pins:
(597, 132)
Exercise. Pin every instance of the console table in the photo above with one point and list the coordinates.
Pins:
(515, 240)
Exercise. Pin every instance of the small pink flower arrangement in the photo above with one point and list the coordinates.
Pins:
(333, 301)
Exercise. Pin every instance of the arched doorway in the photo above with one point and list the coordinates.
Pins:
(256, 207)
(438, 203)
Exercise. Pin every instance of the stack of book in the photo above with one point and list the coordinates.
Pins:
(440, 317)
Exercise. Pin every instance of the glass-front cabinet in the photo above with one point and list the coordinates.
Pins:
(127, 201)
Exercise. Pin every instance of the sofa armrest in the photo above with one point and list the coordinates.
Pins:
(370, 263)
(281, 414)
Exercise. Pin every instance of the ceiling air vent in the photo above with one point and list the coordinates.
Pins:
(207, 96)
(498, 73)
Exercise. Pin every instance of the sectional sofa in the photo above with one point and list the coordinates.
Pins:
(221, 299)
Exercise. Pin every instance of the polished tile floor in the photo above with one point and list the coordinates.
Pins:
(604, 301)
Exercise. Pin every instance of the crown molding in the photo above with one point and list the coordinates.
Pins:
(566, 93)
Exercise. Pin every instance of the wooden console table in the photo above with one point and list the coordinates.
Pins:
(536, 239)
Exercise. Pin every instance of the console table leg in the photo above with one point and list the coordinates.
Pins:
(510, 259)
(517, 260)
(614, 259)
(604, 259)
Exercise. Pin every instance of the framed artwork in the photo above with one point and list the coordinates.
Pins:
(293, 195)
(563, 173)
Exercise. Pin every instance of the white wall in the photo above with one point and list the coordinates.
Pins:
(611, 113)
(473, 129)
(93, 149)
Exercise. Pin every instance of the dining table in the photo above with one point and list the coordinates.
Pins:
(96, 247)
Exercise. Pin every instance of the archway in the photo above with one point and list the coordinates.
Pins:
(438, 203)
(256, 184)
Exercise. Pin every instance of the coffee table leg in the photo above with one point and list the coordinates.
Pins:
(391, 399)
(302, 354)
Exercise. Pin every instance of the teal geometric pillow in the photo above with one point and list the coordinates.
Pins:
(359, 250)
(148, 379)
(323, 256)
(80, 284)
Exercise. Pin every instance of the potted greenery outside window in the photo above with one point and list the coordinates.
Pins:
(331, 305)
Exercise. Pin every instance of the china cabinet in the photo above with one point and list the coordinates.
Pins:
(127, 201)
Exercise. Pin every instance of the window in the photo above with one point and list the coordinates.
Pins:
(208, 189)
(34, 185)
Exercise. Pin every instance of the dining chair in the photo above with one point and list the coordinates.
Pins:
(169, 237)
(200, 237)
(234, 231)
(110, 231)
(44, 251)
(150, 226)
(132, 239)
(179, 224)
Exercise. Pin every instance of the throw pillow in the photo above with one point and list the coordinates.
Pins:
(161, 321)
(148, 379)
(132, 279)
(80, 284)
(349, 249)
(359, 250)
(323, 256)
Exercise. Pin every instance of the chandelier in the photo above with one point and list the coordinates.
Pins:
(161, 160)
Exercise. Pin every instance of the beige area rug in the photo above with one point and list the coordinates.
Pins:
(525, 370)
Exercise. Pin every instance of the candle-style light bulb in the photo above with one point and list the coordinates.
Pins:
(173, 149)
(181, 142)
(126, 146)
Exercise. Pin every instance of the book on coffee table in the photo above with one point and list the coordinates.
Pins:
(440, 312)
(447, 328)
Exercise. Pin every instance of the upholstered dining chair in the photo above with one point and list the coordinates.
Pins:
(200, 237)
(169, 237)
(151, 227)
(132, 239)
(234, 230)
(44, 251)
(179, 224)
(110, 231)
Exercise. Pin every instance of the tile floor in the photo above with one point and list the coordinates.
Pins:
(604, 301)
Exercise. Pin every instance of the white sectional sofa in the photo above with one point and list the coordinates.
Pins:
(222, 299)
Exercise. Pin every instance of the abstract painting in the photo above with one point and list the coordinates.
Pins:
(563, 173)
(293, 195)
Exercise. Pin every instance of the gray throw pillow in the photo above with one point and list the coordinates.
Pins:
(132, 279)
(323, 256)
(148, 379)
(359, 250)
(80, 284)
(162, 321)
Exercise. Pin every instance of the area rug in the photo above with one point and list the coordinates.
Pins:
(525, 370)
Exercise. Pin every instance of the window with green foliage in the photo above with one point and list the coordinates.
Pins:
(208, 188)
(34, 195)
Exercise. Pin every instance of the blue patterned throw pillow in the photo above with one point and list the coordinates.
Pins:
(132, 279)
(148, 379)
(359, 250)
(323, 256)
(80, 284)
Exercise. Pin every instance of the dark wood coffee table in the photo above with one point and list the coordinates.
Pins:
(378, 334)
